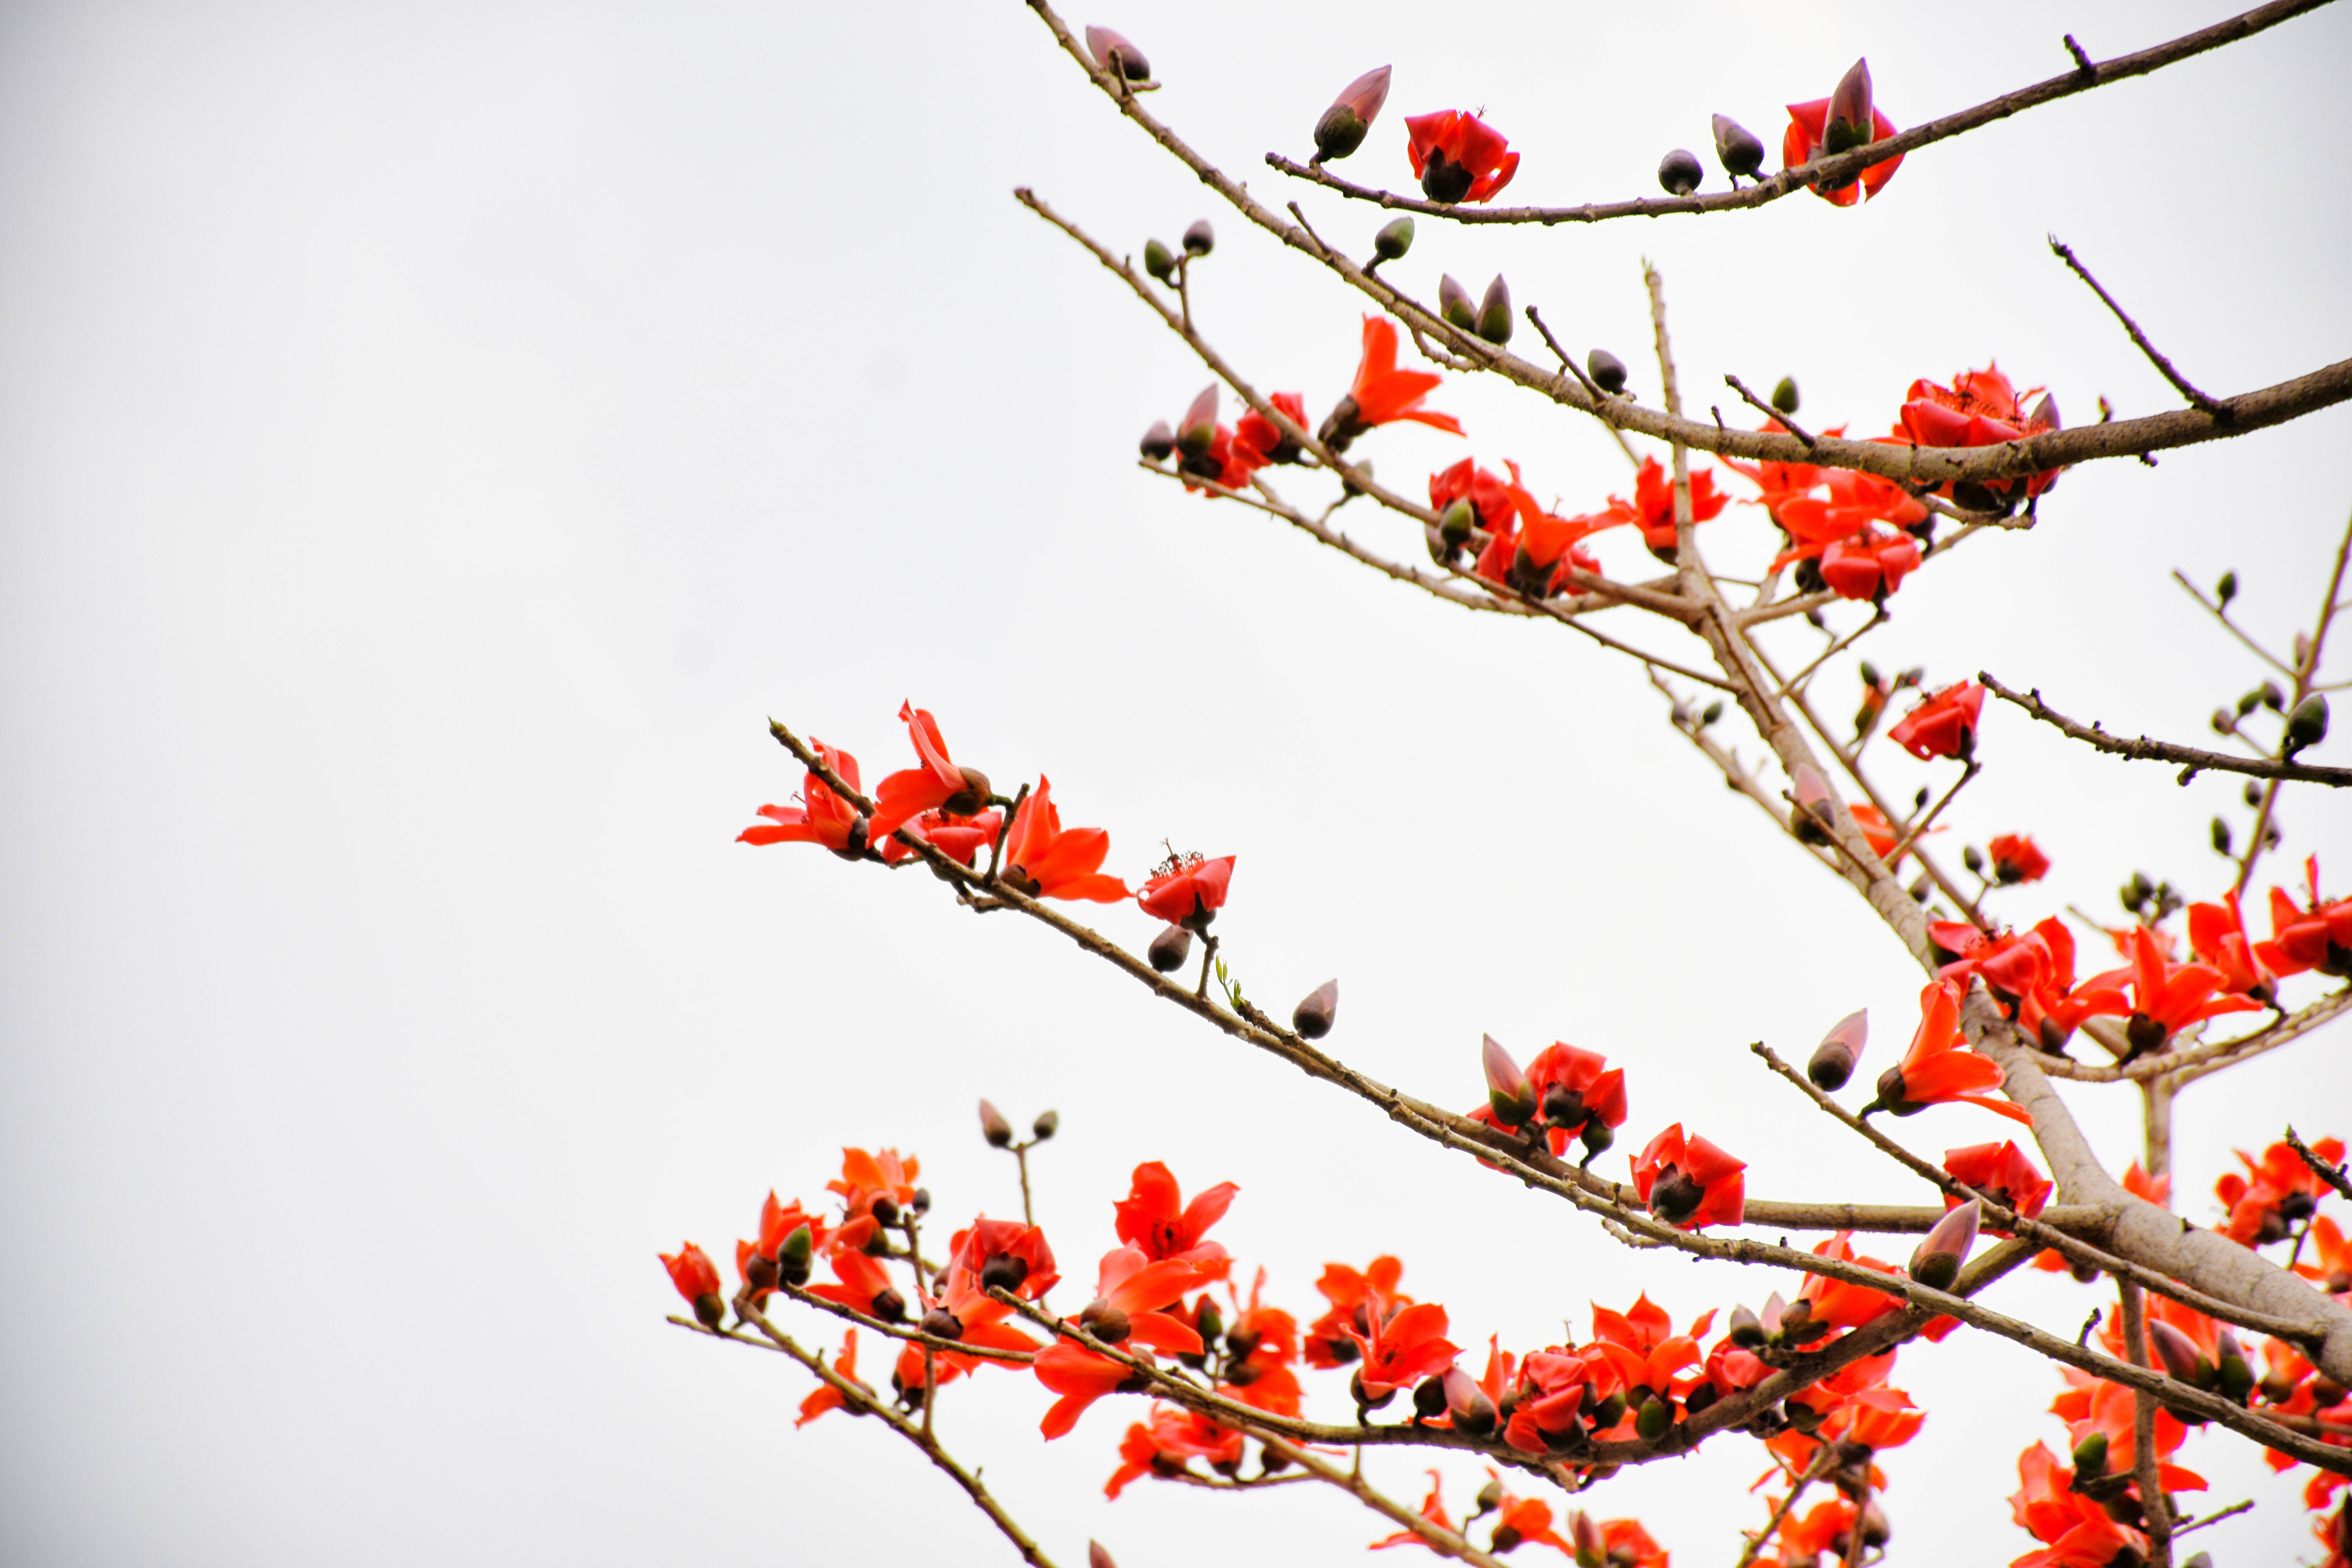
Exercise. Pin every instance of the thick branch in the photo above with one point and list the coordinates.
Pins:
(2194, 760)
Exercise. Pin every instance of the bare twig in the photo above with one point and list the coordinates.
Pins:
(2163, 365)
(2193, 760)
(2332, 1174)
(2153, 1507)
(1766, 409)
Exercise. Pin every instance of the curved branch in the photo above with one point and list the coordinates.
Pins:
(1830, 172)
(2194, 760)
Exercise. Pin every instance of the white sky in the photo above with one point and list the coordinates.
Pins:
(432, 440)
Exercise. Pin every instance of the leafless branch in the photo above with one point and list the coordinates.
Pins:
(2193, 760)
(2163, 365)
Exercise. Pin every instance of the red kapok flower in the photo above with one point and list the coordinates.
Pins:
(826, 819)
(696, 1279)
(1980, 408)
(1409, 1345)
(960, 838)
(2277, 1191)
(1458, 157)
(2316, 937)
(1169, 1443)
(2016, 858)
(1264, 437)
(1359, 1300)
(1433, 1509)
(1188, 891)
(1044, 862)
(1943, 726)
(1939, 1066)
(1689, 1183)
(1381, 393)
(937, 785)
(1653, 506)
(1080, 1377)
(2217, 935)
(1808, 134)
(1154, 1217)
(827, 1396)
(1001, 1254)
(2001, 1172)
(1577, 1092)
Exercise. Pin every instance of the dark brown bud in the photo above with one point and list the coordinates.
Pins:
(1313, 1017)
(1833, 1059)
(1607, 370)
(1049, 1122)
(711, 1309)
(943, 1324)
(1596, 1137)
(1200, 239)
(2178, 1354)
(1675, 1196)
(1444, 181)
(793, 1257)
(993, 1127)
(1170, 949)
(1104, 1322)
(1429, 1398)
(1747, 1331)
(1117, 55)
(760, 1272)
(1679, 172)
(1098, 1558)
(889, 1306)
(1003, 1272)
(920, 1200)
(1737, 148)
(1563, 1107)
(968, 800)
(1158, 441)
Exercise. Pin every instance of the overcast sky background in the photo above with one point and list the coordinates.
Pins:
(434, 440)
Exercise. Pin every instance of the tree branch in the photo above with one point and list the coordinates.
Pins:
(2193, 759)
(2163, 365)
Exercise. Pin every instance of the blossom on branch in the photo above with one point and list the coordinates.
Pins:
(1381, 393)
(695, 1278)
(939, 784)
(1944, 725)
(2316, 936)
(1834, 124)
(2016, 858)
(1939, 1066)
(1187, 890)
(1458, 157)
(1980, 408)
(825, 1397)
(824, 818)
(1154, 1217)
(1043, 861)
(1690, 1183)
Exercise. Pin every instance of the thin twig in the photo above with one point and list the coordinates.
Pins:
(2163, 365)
(2152, 1503)
(2332, 1174)
(2193, 760)
(1766, 409)
(1601, 400)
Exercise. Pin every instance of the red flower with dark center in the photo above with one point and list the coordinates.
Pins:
(827, 1396)
(1980, 408)
(1939, 1066)
(2002, 1173)
(1001, 1253)
(2278, 1192)
(960, 838)
(1169, 1443)
(1407, 1346)
(1264, 439)
(1653, 506)
(1574, 1090)
(866, 1181)
(1803, 141)
(1458, 157)
(1943, 726)
(2166, 997)
(1187, 890)
(695, 1278)
(2318, 936)
(1381, 393)
(823, 817)
(2217, 935)
(2016, 858)
(1433, 1509)
(1080, 1377)
(1843, 1304)
(1043, 861)
(1154, 1217)
(937, 785)
(1359, 1300)
(1689, 1183)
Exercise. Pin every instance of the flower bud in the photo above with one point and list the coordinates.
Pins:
(1104, 1322)
(1654, 1420)
(1489, 1498)
(1584, 1534)
(885, 1209)
(1784, 398)
(2227, 588)
(993, 1127)
(1713, 712)
(2091, 1455)
(1200, 239)
(1495, 313)
(1848, 123)
(1159, 260)
(1341, 129)
(1170, 949)
(889, 1306)
(2232, 1375)
(941, 1324)
(1049, 1122)
(2178, 1356)
(1312, 1017)
(1509, 1094)
(1679, 172)
(1453, 303)
(2221, 836)
(2044, 416)
(919, 1200)
(1596, 1137)
(1468, 1404)
(1212, 1323)
(1737, 149)
(2222, 722)
(2307, 725)
(1158, 441)
(1429, 1398)
(793, 1257)
(1833, 1059)
(1455, 523)
(760, 1272)
(1747, 1331)
(1003, 1272)
(1936, 1262)
(1197, 433)
(1607, 370)
(1117, 56)
(1973, 858)
(1812, 793)
(1393, 240)
(1096, 1557)
(1608, 1413)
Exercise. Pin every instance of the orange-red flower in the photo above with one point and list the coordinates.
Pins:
(1943, 726)
(695, 1278)
(1080, 1376)
(1264, 439)
(1359, 1300)
(1843, 1304)
(1808, 132)
(879, 1183)
(1653, 506)
(863, 1286)
(1381, 393)
(2318, 936)
(1154, 1217)
(1043, 861)
(960, 838)
(827, 1397)
(2277, 1192)
(2166, 997)
(1458, 157)
(1187, 890)
(939, 784)
(1939, 1066)
(2016, 858)
(1003, 1254)
(1433, 1509)
(1169, 1443)
(1642, 1344)
(2076, 1532)
(2217, 935)
(1980, 408)
(1578, 1093)
(1689, 1181)
(2001, 1172)
(1406, 1347)
(823, 817)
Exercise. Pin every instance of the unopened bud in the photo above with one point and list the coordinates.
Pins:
(2232, 1375)
(1429, 1398)
(1833, 1059)
(1608, 1413)
(2221, 836)
(1784, 398)
(1654, 1420)
(2249, 702)
(2273, 698)
(1394, 239)
(1098, 1558)
(2222, 722)
(1170, 949)
(993, 1127)
(1810, 792)
(793, 1257)
(1453, 303)
(2227, 588)
(1159, 260)
(1747, 1331)
(1936, 1262)
(1341, 129)
(1584, 1534)
(1455, 523)
(1468, 1404)
(1495, 313)
(1509, 1094)
(1679, 172)
(2307, 725)
(1607, 370)
(2254, 795)
(889, 1306)
(1849, 120)
(943, 1324)
(1737, 148)
(1973, 858)
(710, 1308)
(1197, 433)
(885, 1209)
(1104, 1322)
(1489, 1498)
(2178, 1356)
(1312, 1017)
(2091, 1455)
(1003, 1272)
(1200, 239)
(919, 1200)
(1117, 54)
(760, 1272)
(1158, 441)
(2045, 414)
(1212, 1323)
(1596, 1138)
